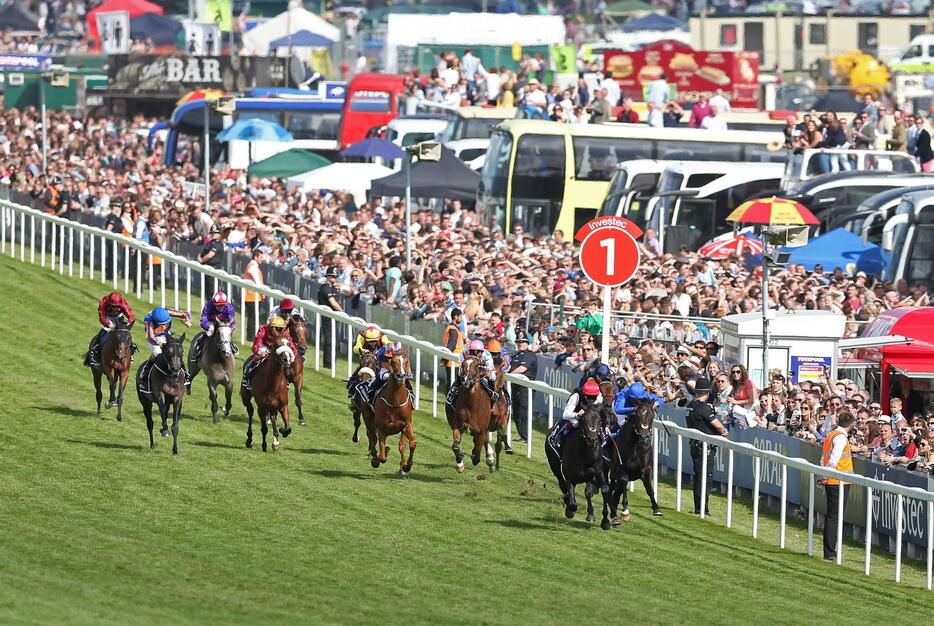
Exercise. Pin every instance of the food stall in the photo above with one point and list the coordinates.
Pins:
(906, 369)
(692, 72)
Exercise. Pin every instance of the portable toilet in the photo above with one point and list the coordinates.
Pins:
(803, 346)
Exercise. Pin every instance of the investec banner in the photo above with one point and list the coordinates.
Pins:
(177, 75)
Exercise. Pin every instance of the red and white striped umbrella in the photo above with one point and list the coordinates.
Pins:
(722, 247)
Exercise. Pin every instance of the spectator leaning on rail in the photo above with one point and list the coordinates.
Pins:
(837, 455)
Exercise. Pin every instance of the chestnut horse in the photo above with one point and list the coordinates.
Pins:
(391, 414)
(358, 400)
(270, 388)
(298, 329)
(473, 411)
(116, 358)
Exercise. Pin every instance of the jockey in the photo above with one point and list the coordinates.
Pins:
(629, 398)
(285, 310)
(600, 372)
(112, 308)
(220, 310)
(383, 356)
(159, 324)
(370, 340)
(586, 396)
(487, 367)
(265, 340)
(501, 362)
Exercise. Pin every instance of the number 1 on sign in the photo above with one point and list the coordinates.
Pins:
(610, 244)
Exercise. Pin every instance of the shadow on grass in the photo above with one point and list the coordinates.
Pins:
(214, 444)
(322, 451)
(106, 445)
(555, 527)
(68, 411)
(342, 474)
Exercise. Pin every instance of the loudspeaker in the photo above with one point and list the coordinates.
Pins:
(429, 151)
(788, 236)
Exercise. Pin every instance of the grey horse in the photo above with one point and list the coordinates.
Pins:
(217, 362)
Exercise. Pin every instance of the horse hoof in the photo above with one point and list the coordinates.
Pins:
(615, 522)
(475, 459)
(249, 443)
(268, 422)
(175, 452)
(110, 404)
(591, 518)
(626, 517)
(459, 467)
(657, 513)
(164, 432)
(355, 438)
(301, 421)
(119, 418)
(275, 445)
(605, 524)
(569, 513)
(402, 472)
(285, 432)
(374, 463)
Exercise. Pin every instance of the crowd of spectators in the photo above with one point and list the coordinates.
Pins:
(877, 126)
(506, 284)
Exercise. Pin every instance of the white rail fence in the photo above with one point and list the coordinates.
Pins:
(31, 235)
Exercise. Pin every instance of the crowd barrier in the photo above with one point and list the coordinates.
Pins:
(78, 249)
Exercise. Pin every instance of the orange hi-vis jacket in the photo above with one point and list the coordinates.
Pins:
(845, 464)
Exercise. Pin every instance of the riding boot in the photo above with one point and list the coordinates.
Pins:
(94, 353)
(452, 393)
(248, 367)
(494, 395)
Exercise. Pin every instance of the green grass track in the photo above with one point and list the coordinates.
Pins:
(96, 528)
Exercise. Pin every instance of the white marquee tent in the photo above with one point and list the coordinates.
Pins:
(351, 177)
(256, 41)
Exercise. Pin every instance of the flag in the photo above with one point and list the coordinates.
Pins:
(220, 12)
(113, 27)
(564, 59)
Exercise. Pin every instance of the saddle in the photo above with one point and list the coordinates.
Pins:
(142, 375)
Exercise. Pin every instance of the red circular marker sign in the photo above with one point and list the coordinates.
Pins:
(609, 254)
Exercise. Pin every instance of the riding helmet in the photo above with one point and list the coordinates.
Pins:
(372, 333)
(160, 315)
(591, 388)
(277, 322)
(475, 344)
(603, 372)
(636, 391)
(494, 346)
(220, 298)
(286, 305)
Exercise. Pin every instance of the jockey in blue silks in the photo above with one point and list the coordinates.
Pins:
(629, 398)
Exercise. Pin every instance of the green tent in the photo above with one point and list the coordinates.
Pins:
(629, 6)
(289, 163)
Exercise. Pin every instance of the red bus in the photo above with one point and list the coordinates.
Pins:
(371, 100)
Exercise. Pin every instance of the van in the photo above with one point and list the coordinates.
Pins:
(917, 57)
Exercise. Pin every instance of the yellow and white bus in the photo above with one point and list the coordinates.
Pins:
(545, 176)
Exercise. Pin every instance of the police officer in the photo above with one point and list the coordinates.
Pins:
(703, 418)
(526, 363)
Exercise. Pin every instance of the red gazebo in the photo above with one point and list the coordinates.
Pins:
(914, 361)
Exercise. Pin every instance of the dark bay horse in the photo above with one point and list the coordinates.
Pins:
(365, 372)
(580, 461)
(391, 414)
(163, 384)
(217, 362)
(116, 359)
(270, 389)
(630, 458)
(473, 412)
(298, 329)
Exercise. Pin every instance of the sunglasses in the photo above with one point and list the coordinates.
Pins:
(736, 371)
(876, 407)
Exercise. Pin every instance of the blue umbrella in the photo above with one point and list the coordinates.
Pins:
(372, 148)
(255, 129)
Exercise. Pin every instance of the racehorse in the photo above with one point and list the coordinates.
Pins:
(116, 358)
(473, 412)
(270, 388)
(217, 362)
(391, 414)
(165, 386)
(629, 456)
(298, 329)
(580, 461)
(358, 401)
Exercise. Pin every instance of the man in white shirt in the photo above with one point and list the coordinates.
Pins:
(658, 93)
(714, 121)
(451, 76)
(720, 101)
(612, 90)
(655, 118)
(534, 95)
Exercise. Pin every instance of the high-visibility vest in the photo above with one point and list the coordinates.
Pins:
(459, 345)
(248, 294)
(845, 464)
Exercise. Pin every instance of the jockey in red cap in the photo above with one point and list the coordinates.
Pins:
(111, 310)
(285, 310)
(583, 398)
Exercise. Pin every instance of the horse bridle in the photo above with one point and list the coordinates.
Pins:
(124, 332)
(294, 335)
(643, 428)
(169, 370)
(399, 378)
(470, 381)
